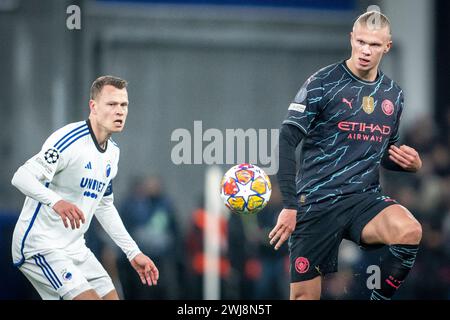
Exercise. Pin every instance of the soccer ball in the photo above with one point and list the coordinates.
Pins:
(245, 188)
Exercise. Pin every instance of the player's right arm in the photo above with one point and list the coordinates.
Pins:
(33, 177)
(290, 137)
(301, 114)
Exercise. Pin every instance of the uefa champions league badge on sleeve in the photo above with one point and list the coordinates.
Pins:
(301, 95)
(51, 155)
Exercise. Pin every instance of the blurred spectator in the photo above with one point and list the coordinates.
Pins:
(150, 217)
(421, 135)
(196, 257)
(441, 159)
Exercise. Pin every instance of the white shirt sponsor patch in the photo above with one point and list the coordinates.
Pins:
(297, 107)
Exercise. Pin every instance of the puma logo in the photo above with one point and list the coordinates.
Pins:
(349, 103)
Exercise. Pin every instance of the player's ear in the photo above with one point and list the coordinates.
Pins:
(92, 106)
(388, 46)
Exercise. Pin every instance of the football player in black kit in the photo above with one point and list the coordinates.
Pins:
(347, 117)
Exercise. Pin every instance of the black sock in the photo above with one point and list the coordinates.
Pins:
(395, 266)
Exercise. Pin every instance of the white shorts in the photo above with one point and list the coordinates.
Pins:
(56, 275)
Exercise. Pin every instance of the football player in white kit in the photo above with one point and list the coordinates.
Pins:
(70, 179)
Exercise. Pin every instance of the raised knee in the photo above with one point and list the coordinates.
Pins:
(410, 234)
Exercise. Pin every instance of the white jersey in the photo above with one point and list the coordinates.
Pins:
(73, 167)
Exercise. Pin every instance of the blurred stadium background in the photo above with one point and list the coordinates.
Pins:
(230, 64)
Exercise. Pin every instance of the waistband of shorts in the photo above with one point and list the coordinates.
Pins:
(332, 200)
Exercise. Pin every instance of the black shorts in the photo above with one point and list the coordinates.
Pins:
(314, 245)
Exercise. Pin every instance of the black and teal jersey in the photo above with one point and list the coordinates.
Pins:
(348, 124)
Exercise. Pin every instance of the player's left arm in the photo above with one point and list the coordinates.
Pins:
(109, 218)
(403, 158)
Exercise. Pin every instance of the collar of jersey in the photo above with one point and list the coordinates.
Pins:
(95, 139)
(344, 65)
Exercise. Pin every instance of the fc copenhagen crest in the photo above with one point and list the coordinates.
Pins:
(108, 170)
(368, 104)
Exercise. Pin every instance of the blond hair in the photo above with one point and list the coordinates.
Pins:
(373, 20)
